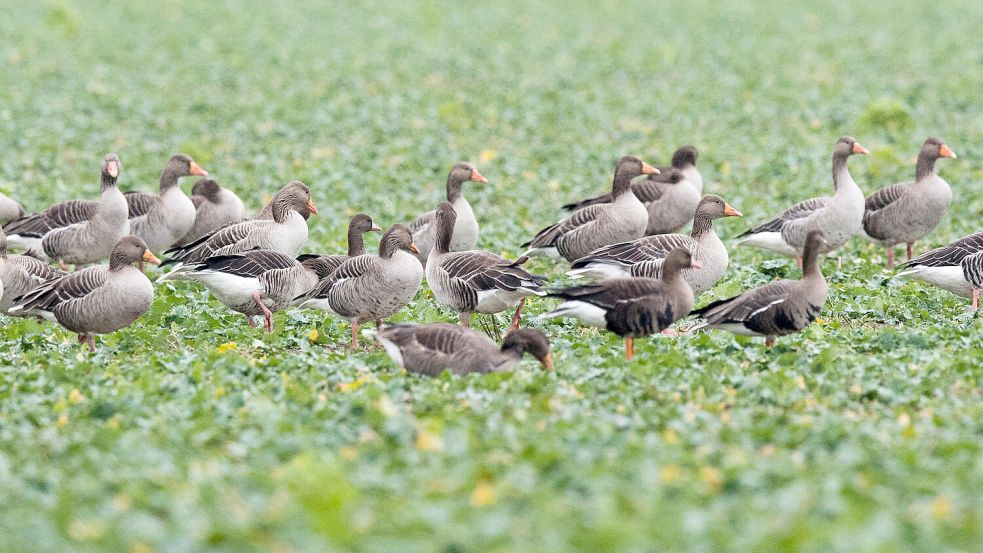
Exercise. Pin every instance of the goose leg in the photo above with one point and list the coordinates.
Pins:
(90, 340)
(378, 324)
(976, 299)
(250, 322)
(911, 250)
(890, 257)
(629, 348)
(669, 332)
(64, 266)
(354, 344)
(517, 316)
(769, 341)
(798, 261)
(465, 318)
(267, 314)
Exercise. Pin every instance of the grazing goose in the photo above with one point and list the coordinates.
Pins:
(944, 267)
(19, 274)
(670, 196)
(905, 213)
(76, 231)
(973, 273)
(257, 282)
(286, 233)
(476, 281)
(430, 349)
(359, 225)
(776, 309)
(839, 217)
(370, 287)
(163, 219)
(632, 307)
(465, 230)
(96, 300)
(215, 207)
(598, 225)
(644, 257)
(10, 210)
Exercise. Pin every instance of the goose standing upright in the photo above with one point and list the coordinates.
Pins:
(10, 210)
(76, 231)
(359, 225)
(476, 281)
(632, 307)
(644, 257)
(949, 267)
(466, 229)
(215, 207)
(838, 217)
(776, 309)
(906, 212)
(431, 348)
(19, 274)
(163, 219)
(594, 226)
(370, 287)
(96, 300)
(972, 268)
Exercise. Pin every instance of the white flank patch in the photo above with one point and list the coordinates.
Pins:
(582, 311)
(551, 253)
(600, 271)
(769, 241)
(391, 348)
(28, 244)
(949, 278)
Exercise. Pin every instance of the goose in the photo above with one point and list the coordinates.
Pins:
(429, 349)
(370, 287)
(96, 300)
(644, 257)
(359, 225)
(598, 225)
(944, 267)
(466, 229)
(632, 307)
(215, 207)
(76, 231)
(10, 210)
(257, 282)
(776, 309)
(671, 196)
(266, 213)
(972, 268)
(286, 233)
(19, 274)
(163, 219)
(839, 217)
(906, 212)
(476, 281)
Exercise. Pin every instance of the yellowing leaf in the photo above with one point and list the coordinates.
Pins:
(941, 506)
(312, 335)
(428, 441)
(75, 396)
(483, 495)
(487, 155)
(712, 477)
(222, 348)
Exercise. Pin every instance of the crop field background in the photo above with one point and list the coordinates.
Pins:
(191, 432)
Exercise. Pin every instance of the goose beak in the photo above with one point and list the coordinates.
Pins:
(112, 169)
(376, 228)
(414, 249)
(695, 265)
(149, 257)
(731, 212)
(858, 149)
(311, 207)
(944, 151)
(475, 175)
(197, 170)
(649, 170)
(547, 361)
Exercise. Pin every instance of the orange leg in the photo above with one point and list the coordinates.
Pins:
(798, 261)
(267, 314)
(911, 250)
(354, 344)
(976, 299)
(890, 257)
(769, 341)
(629, 348)
(465, 319)
(517, 316)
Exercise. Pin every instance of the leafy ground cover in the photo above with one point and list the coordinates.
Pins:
(191, 432)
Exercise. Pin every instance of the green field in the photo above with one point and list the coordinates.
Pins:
(191, 432)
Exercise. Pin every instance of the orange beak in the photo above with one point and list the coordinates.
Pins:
(376, 228)
(731, 212)
(548, 361)
(149, 257)
(197, 170)
(414, 249)
(311, 207)
(649, 170)
(944, 151)
(858, 149)
(695, 265)
(475, 175)
(113, 169)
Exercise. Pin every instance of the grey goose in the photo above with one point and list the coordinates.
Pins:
(430, 349)
(949, 267)
(96, 300)
(632, 307)
(359, 225)
(19, 274)
(77, 231)
(906, 212)
(476, 281)
(838, 217)
(164, 218)
(644, 257)
(371, 287)
(466, 229)
(670, 196)
(775, 309)
(10, 209)
(594, 226)
(215, 207)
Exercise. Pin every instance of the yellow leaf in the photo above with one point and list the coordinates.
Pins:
(712, 477)
(669, 436)
(75, 396)
(62, 421)
(312, 335)
(941, 506)
(428, 441)
(487, 155)
(483, 495)
(670, 473)
(222, 348)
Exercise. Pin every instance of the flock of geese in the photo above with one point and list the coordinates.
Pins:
(642, 274)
